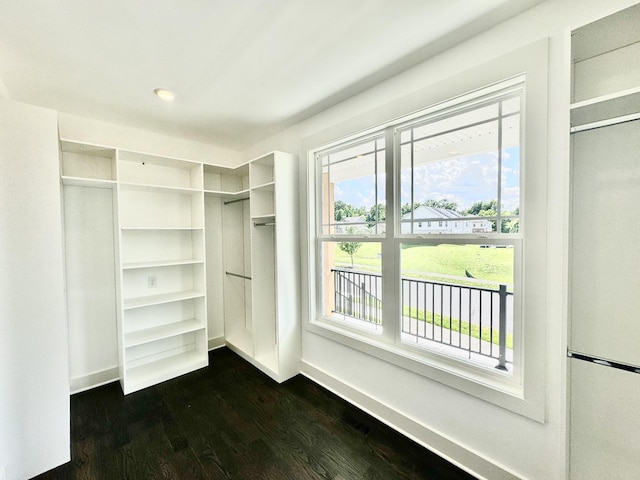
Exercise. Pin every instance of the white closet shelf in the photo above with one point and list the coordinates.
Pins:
(161, 370)
(160, 332)
(149, 300)
(160, 228)
(618, 104)
(265, 187)
(88, 182)
(158, 188)
(239, 195)
(161, 263)
(270, 218)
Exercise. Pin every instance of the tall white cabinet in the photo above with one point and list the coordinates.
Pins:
(605, 174)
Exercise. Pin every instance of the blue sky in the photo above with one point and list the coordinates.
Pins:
(464, 180)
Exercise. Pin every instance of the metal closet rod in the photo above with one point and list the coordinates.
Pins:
(603, 361)
(264, 224)
(605, 123)
(234, 201)
(231, 274)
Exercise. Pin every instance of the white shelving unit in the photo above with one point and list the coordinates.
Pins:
(197, 256)
(163, 278)
(88, 177)
(261, 278)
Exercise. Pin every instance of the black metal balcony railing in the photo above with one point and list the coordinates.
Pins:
(357, 294)
(477, 320)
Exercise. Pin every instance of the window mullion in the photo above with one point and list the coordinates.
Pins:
(390, 257)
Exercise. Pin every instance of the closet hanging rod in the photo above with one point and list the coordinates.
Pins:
(606, 123)
(238, 200)
(602, 361)
(231, 274)
(265, 224)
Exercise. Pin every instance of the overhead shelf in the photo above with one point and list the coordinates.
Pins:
(160, 263)
(88, 182)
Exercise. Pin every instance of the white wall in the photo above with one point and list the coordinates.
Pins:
(34, 390)
(484, 438)
(81, 129)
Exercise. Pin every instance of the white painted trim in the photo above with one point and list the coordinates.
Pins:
(447, 448)
(216, 342)
(93, 380)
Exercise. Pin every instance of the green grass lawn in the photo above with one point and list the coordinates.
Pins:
(487, 334)
(421, 261)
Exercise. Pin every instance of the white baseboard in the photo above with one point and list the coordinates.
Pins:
(448, 449)
(216, 342)
(102, 377)
(93, 380)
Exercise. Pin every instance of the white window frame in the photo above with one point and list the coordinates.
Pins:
(523, 393)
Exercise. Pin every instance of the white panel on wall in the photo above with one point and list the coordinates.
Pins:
(605, 425)
(34, 381)
(606, 186)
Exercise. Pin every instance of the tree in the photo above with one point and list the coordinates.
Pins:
(443, 203)
(350, 248)
(406, 208)
(342, 210)
(377, 213)
(483, 209)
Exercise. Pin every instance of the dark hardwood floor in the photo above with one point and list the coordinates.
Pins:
(230, 421)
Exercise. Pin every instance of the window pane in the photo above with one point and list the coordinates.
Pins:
(353, 189)
(460, 174)
(453, 299)
(510, 185)
(352, 284)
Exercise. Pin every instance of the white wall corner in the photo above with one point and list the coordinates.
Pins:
(216, 342)
(447, 448)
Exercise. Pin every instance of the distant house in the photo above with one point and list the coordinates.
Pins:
(430, 220)
(356, 224)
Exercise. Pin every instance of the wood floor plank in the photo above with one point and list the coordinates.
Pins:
(231, 422)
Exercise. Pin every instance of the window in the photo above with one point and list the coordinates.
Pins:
(415, 297)
(456, 287)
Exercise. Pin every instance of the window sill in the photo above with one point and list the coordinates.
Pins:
(495, 387)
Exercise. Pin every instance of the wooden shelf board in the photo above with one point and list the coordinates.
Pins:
(264, 218)
(161, 263)
(88, 182)
(240, 195)
(265, 187)
(158, 188)
(147, 301)
(147, 335)
(152, 373)
(160, 228)
(605, 98)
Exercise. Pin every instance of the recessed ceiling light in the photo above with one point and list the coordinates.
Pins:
(164, 94)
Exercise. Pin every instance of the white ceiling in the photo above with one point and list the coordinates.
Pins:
(241, 69)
